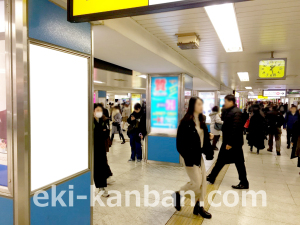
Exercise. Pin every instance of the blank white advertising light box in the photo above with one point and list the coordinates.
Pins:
(58, 126)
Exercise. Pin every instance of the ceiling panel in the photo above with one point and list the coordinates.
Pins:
(265, 26)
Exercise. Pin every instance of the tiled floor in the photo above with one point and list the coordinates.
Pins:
(277, 175)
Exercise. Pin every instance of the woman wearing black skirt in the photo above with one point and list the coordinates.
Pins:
(101, 133)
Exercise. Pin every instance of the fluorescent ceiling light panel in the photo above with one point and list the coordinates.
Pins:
(249, 88)
(224, 20)
(98, 82)
(143, 76)
(244, 76)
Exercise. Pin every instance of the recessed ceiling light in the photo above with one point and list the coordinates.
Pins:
(224, 20)
(248, 88)
(244, 76)
(98, 82)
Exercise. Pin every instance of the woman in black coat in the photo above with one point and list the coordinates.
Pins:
(296, 141)
(193, 140)
(101, 133)
(257, 130)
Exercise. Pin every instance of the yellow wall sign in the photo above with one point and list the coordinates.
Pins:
(262, 97)
(272, 69)
(82, 7)
(92, 10)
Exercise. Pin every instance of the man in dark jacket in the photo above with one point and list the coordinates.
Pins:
(275, 120)
(233, 141)
(136, 132)
(290, 118)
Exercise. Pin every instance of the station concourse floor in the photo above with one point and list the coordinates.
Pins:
(278, 176)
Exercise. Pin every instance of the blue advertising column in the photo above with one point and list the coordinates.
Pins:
(165, 96)
(48, 26)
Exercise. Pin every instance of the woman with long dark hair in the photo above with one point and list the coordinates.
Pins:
(101, 132)
(193, 140)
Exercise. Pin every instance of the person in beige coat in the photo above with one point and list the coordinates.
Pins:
(125, 115)
(193, 141)
(215, 118)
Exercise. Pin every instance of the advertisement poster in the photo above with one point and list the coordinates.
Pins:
(135, 98)
(209, 103)
(275, 93)
(164, 105)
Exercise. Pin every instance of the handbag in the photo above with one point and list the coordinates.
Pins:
(247, 124)
(218, 126)
(108, 144)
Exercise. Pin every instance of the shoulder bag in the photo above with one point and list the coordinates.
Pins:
(218, 126)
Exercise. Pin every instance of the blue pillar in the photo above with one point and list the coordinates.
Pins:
(48, 23)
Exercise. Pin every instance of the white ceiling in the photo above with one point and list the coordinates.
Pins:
(199, 85)
(149, 56)
(113, 47)
(265, 26)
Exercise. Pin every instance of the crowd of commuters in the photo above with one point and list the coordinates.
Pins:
(259, 121)
(266, 119)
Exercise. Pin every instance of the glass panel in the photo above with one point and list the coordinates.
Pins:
(59, 130)
(3, 117)
(208, 103)
(135, 98)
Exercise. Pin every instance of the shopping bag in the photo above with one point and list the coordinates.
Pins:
(247, 124)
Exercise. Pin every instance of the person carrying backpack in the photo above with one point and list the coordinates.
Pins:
(136, 132)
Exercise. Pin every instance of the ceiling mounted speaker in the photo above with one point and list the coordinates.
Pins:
(188, 41)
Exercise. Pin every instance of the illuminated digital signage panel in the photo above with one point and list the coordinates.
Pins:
(164, 104)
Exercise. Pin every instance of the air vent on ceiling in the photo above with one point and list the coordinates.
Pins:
(119, 80)
(258, 82)
(188, 41)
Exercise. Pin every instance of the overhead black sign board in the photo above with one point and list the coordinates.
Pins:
(93, 10)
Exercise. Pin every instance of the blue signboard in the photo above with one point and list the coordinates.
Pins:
(164, 104)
